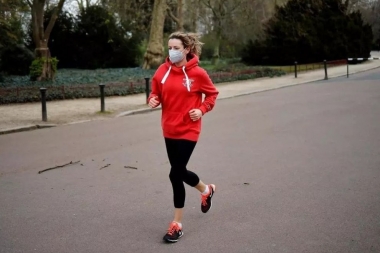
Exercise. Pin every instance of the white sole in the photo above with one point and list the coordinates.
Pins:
(173, 241)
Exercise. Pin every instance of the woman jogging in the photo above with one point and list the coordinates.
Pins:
(178, 85)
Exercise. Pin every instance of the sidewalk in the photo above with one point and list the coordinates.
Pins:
(22, 117)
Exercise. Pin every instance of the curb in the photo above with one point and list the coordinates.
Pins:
(26, 128)
(138, 111)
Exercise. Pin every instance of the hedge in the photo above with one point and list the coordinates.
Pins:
(21, 92)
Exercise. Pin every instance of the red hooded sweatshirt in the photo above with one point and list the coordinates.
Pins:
(179, 90)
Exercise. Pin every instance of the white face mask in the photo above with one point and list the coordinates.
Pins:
(175, 55)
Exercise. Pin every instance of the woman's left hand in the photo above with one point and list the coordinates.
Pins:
(195, 114)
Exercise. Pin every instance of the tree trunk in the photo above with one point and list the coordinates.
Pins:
(43, 53)
(218, 39)
(193, 15)
(154, 54)
(180, 16)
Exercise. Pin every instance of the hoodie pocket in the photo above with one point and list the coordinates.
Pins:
(172, 123)
(194, 126)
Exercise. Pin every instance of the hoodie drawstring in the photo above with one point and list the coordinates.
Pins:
(166, 75)
(183, 69)
(187, 79)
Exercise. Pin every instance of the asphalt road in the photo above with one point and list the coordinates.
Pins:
(296, 170)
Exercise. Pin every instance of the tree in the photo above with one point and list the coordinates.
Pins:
(225, 24)
(41, 36)
(137, 13)
(15, 58)
(311, 31)
(64, 42)
(221, 10)
(10, 22)
(370, 10)
(239, 21)
(92, 39)
(192, 14)
(102, 42)
(83, 4)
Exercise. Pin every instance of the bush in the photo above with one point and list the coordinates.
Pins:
(37, 66)
(32, 94)
(15, 60)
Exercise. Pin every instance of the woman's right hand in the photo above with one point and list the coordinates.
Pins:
(153, 102)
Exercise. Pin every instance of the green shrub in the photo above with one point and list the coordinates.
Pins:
(37, 66)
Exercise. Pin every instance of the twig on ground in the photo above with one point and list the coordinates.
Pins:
(59, 166)
(105, 166)
(130, 167)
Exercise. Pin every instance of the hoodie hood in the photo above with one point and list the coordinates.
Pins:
(191, 63)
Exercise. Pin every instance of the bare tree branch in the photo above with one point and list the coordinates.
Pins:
(80, 5)
(53, 19)
(29, 3)
(171, 15)
(238, 3)
(208, 5)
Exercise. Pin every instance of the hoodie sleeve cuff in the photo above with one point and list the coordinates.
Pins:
(152, 96)
(203, 110)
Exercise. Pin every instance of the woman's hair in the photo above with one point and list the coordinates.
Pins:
(189, 40)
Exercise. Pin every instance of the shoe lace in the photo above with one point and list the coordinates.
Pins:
(172, 228)
(204, 199)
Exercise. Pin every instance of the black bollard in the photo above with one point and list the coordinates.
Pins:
(347, 69)
(295, 69)
(43, 102)
(325, 63)
(147, 88)
(102, 104)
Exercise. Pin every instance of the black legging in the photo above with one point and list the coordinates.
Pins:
(179, 152)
